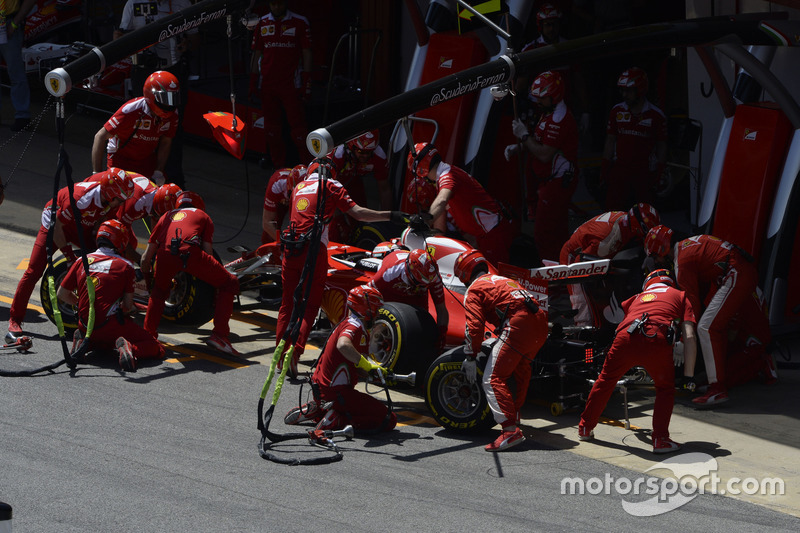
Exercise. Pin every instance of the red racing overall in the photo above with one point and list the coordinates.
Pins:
(501, 302)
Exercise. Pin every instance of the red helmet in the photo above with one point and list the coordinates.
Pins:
(421, 267)
(636, 78)
(660, 275)
(114, 232)
(165, 198)
(364, 301)
(466, 263)
(422, 158)
(658, 241)
(116, 183)
(191, 199)
(546, 12)
(296, 175)
(643, 217)
(386, 247)
(365, 142)
(548, 83)
(322, 162)
(162, 92)
(421, 192)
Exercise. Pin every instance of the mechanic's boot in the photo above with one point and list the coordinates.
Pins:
(506, 440)
(585, 434)
(309, 412)
(14, 331)
(126, 358)
(715, 395)
(221, 344)
(665, 445)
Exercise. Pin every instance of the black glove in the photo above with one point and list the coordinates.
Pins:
(399, 217)
(685, 383)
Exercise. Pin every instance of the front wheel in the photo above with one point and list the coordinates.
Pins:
(403, 338)
(453, 402)
(69, 314)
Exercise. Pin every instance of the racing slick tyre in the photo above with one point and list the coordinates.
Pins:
(190, 302)
(69, 314)
(403, 338)
(453, 402)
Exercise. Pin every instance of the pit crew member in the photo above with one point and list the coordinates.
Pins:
(276, 200)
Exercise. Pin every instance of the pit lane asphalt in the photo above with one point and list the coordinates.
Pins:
(173, 446)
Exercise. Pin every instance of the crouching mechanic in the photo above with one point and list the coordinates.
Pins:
(645, 338)
(336, 376)
(182, 241)
(408, 277)
(523, 329)
(113, 278)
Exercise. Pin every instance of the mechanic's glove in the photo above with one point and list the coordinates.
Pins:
(685, 383)
(520, 129)
(470, 369)
(158, 178)
(252, 90)
(584, 123)
(510, 151)
(399, 217)
(368, 365)
(677, 353)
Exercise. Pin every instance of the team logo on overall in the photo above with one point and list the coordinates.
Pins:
(180, 215)
(288, 31)
(647, 297)
(302, 204)
(268, 30)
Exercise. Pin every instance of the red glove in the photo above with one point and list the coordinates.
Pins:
(253, 89)
(305, 85)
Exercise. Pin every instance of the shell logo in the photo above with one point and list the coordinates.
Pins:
(647, 297)
(180, 215)
(333, 303)
(302, 204)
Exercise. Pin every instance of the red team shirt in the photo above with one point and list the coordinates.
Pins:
(559, 130)
(636, 134)
(281, 44)
(193, 225)
(602, 236)
(135, 133)
(112, 277)
(472, 209)
(393, 282)
(491, 292)
(701, 262)
(304, 200)
(662, 304)
(351, 171)
(278, 194)
(138, 205)
(87, 198)
(334, 369)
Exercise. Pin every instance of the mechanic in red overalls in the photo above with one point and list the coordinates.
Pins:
(94, 200)
(182, 241)
(714, 271)
(407, 277)
(147, 199)
(281, 42)
(635, 152)
(603, 236)
(113, 277)
(460, 195)
(645, 338)
(336, 374)
(503, 303)
(138, 136)
(553, 168)
(276, 200)
(295, 243)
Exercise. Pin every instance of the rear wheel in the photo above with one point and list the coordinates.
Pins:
(403, 338)
(69, 314)
(190, 302)
(453, 402)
